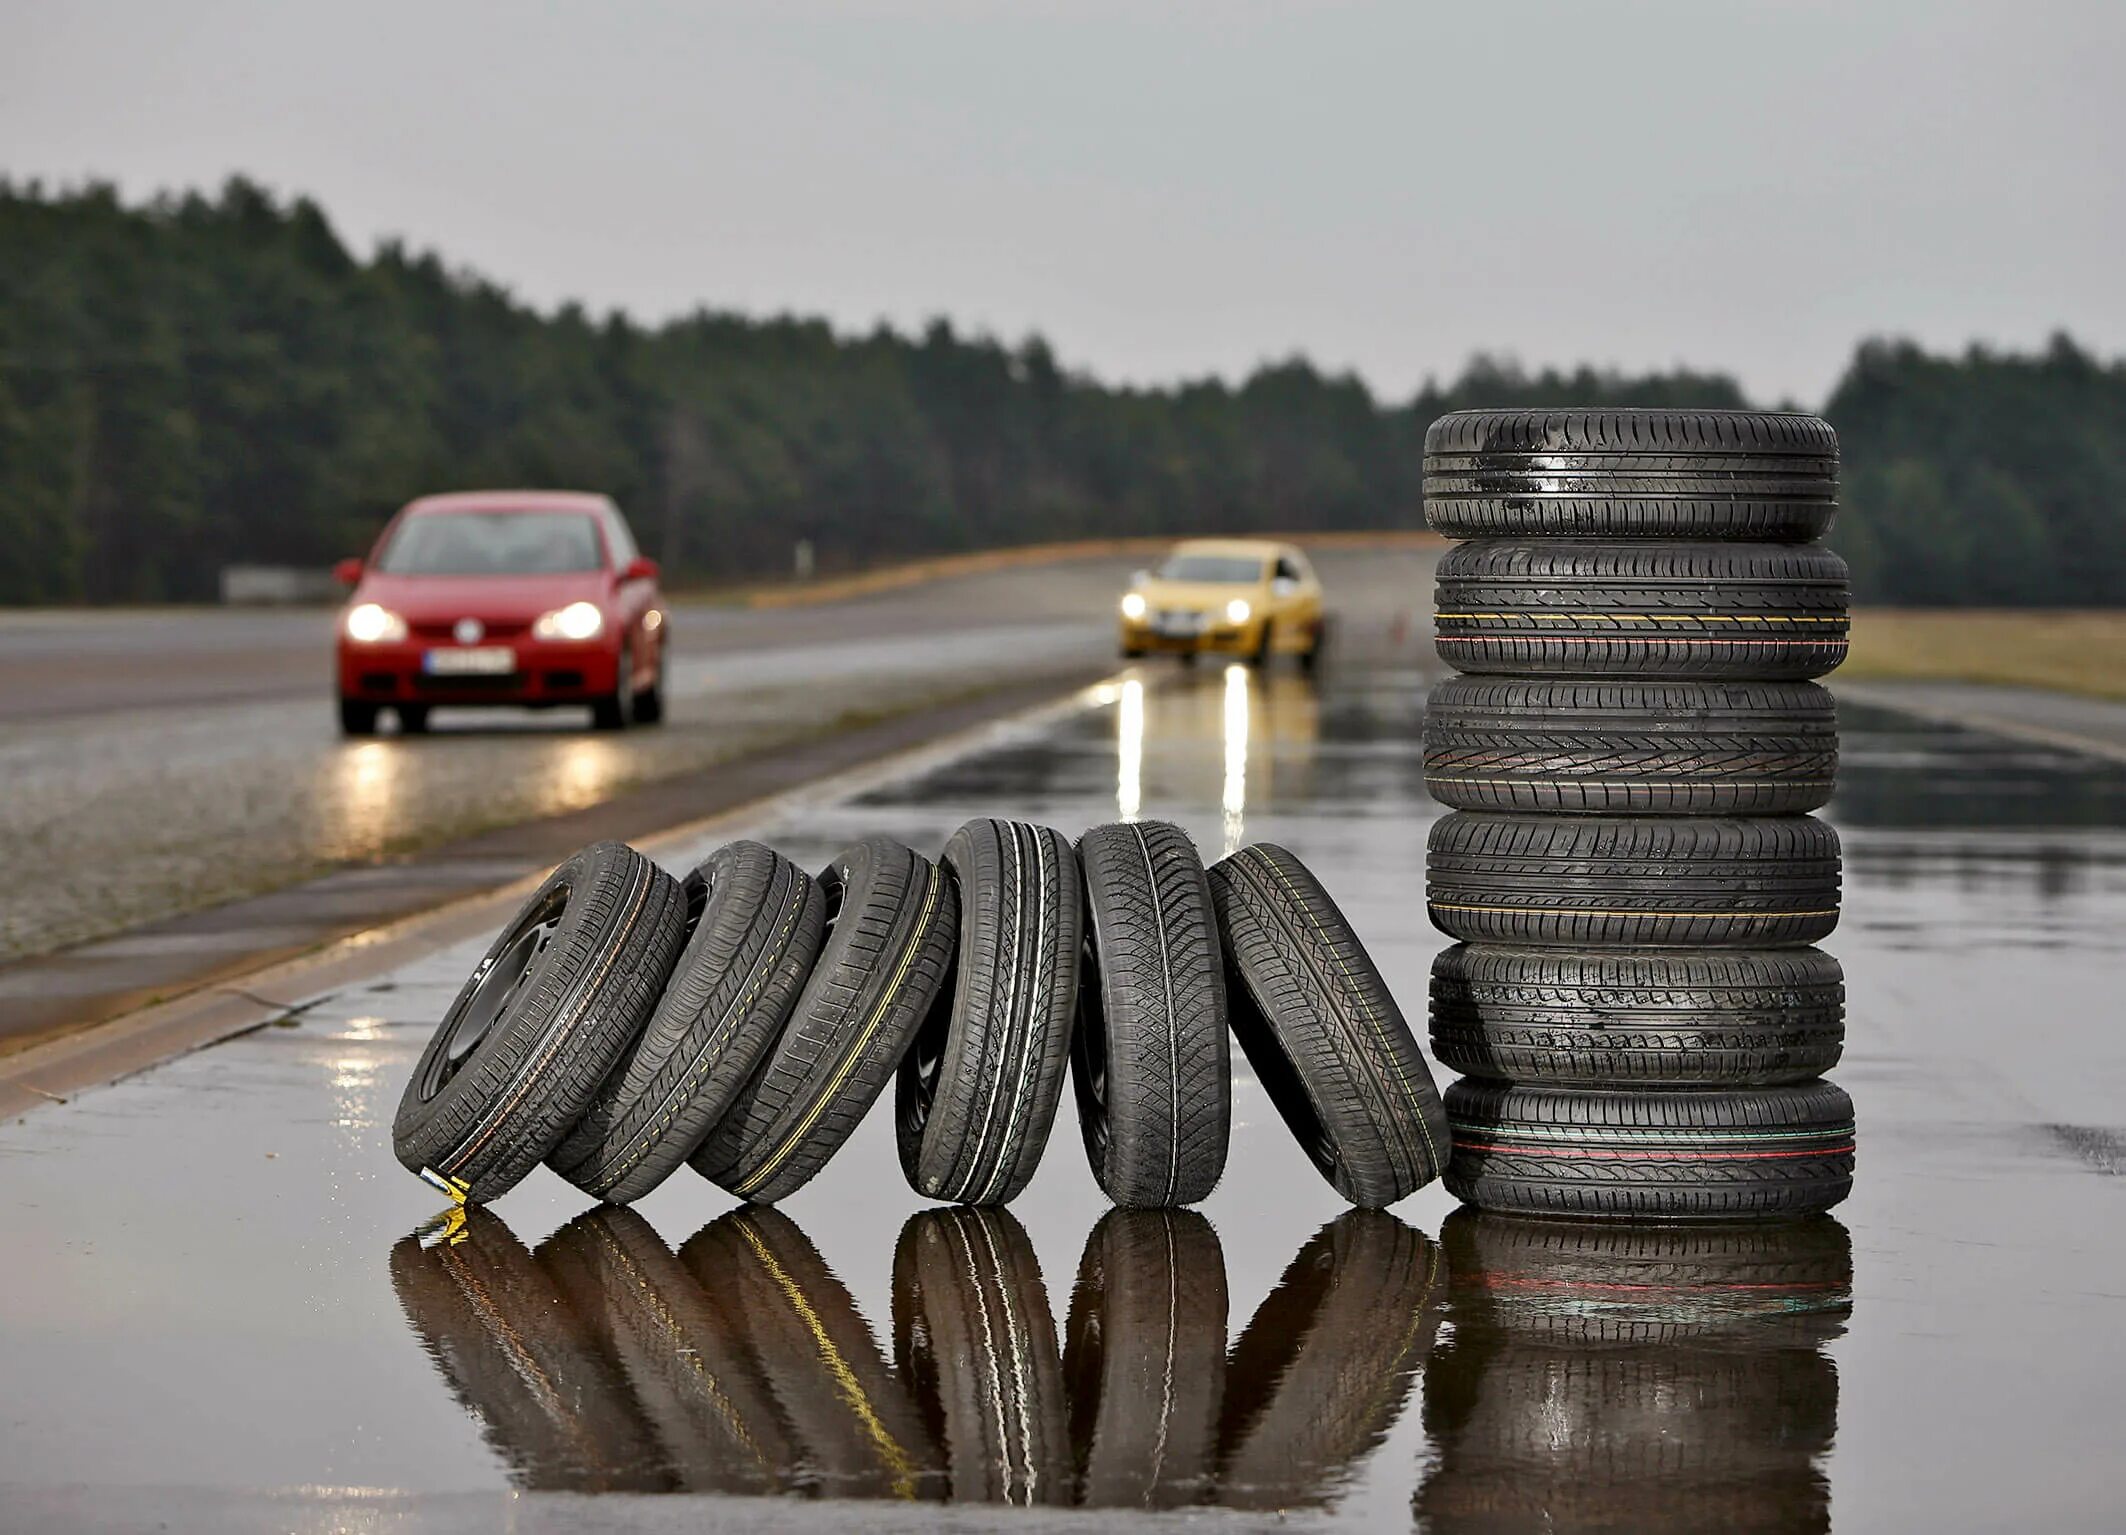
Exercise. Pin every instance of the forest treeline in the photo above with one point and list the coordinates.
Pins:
(205, 380)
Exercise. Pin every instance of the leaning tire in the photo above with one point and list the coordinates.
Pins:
(975, 1344)
(1325, 1038)
(1656, 1153)
(1630, 748)
(888, 946)
(1669, 1018)
(1632, 880)
(1553, 608)
(1739, 474)
(754, 922)
(1144, 1359)
(1149, 1056)
(977, 1092)
(555, 1003)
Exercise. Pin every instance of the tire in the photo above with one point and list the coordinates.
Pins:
(413, 719)
(1630, 748)
(1759, 1283)
(1632, 880)
(649, 703)
(753, 923)
(502, 1335)
(975, 1344)
(1323, 1035)
(1259, 657)
(977, 1092)
(616, 712)
(1310, 658)
(859, 1432)
(1739, 474)
(1658, 1153)
(1321, 1372)
(357, 718)
(553, 1006)
(1144, 1359)
(1558, 609)
(890, 916)
(1149, 1058)
(1666, 1018)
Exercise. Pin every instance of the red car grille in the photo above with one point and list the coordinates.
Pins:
(440, 632)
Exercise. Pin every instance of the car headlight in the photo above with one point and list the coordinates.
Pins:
(1133, 605)
(577, 621)
(1237, 611)
(369, 624)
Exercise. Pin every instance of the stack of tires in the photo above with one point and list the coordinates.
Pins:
(1639, 609)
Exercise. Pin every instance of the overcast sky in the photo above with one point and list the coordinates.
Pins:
(1167, 189)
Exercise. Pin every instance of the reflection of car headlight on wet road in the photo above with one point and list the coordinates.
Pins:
(368, 624)
(1237, 611)
(1133, 605)
(577, 621)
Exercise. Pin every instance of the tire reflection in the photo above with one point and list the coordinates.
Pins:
(1604, 1377)
(1595, 1377)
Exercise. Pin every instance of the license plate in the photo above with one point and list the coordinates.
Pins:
(1177, 625)
(472, 661)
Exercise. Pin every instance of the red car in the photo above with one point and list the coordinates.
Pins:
(523, 597)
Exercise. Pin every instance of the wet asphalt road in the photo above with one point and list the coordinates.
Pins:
(158, 762)
(224, 1309)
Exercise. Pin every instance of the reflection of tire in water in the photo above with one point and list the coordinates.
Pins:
(1643, 1378)
(1144, 1358)
(859, 1434)
(685, 1352)
(1324, 1365)
(974, 1341)
(549, 1397)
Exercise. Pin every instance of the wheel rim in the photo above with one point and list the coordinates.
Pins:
(494, 987)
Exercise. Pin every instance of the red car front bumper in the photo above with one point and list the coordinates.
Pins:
(542, 672)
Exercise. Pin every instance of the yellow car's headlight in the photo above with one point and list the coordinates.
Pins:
(577, 621)
(1133, 605)
(1237, 611)
(369, 624)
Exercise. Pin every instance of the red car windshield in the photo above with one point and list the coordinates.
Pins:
(493, 544)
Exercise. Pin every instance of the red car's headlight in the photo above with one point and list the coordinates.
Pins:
(577, 621)
(368, 624)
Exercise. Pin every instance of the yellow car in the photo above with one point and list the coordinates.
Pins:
(1243, 597)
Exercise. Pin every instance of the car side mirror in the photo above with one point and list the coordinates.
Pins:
(1140, 578)
(1283, 586)
(347, 572)
(640, 568)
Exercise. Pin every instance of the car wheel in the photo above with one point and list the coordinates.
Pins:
(1188, 657)
(649, 704)
(1260, 655)
(618, 711)
(1310, 658)
(357, 719)
(549, 1011)
(413, 719)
